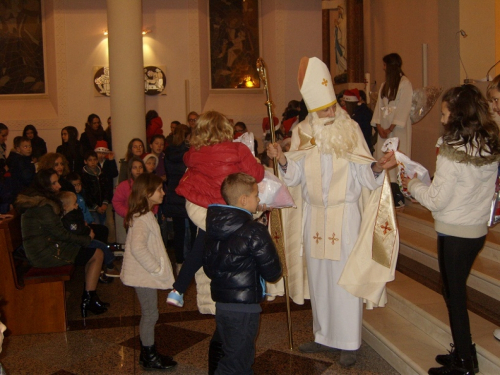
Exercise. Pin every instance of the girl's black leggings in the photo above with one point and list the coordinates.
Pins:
(455, 256)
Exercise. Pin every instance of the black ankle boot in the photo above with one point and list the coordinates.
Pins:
(92, 303)
(215, 354)
(460, 366)
(150, 359)
(449, 359)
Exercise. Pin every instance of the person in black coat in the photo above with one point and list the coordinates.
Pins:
(71, 149)
(38, 145)
(21, 167)
(239, 257)
(174, 205)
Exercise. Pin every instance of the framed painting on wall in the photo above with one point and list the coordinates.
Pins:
(234, 44)
(21, 48)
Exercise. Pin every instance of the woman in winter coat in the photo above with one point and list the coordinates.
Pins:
(48, 244)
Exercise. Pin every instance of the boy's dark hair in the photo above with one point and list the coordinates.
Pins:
(175, 122)
(235, 185)
(155, 137)
(20, 139)
(362, 94)
(242, 124)
(73, 176)
(88, 154)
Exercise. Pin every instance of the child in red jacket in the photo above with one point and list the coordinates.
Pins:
(212, 157)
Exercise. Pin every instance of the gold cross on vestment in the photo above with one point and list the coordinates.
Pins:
(386, 227)
(276, 236)
(325, 82)
(333, 239)
(317, 237)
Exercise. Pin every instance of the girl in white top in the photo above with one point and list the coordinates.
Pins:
(391, 116)
(460, 198)
(146, 266)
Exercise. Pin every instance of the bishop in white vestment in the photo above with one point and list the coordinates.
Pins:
(330, 163)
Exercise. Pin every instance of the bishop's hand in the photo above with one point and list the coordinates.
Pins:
(387, 161)
(274, 151)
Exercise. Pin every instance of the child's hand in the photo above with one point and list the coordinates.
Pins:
(111, 155)
(405, 180)
(91, 234)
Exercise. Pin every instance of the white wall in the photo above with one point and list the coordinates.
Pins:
(75, 44)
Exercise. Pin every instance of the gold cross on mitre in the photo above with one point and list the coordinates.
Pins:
(317, 237)
(333, 239)
(386, 227)
(325, 82)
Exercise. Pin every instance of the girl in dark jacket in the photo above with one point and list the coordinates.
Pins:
(37, 144)
(71, 149)
(175, 205)
(48, 244)
(93, 132)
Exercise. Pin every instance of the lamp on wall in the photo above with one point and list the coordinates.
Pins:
(144, 32)
(464, 35)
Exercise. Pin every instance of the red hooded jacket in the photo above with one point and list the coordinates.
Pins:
(210, 165)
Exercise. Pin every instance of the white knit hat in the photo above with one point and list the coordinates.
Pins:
(316, 84)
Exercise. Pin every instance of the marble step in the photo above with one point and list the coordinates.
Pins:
(413, 328)
(419, 219)
(485, 274)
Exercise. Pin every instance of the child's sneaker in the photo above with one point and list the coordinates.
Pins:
(175, 298)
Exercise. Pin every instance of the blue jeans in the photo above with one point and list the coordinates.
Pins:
(109, 257)
(98, 218)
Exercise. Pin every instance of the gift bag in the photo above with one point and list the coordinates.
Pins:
(406, 166)
(248, 140)
(274, 193)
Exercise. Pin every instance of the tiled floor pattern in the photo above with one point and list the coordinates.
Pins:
(109, 343)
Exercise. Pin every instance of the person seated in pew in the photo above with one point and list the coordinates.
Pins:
(48, 244)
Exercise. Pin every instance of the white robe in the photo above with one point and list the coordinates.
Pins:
(337, 314)
(395, 112)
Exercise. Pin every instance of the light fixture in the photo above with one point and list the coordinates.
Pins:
(144, 32)
(249, 82)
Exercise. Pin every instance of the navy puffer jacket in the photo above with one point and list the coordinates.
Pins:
(238, 251)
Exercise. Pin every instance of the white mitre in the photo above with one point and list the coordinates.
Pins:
(315, 84)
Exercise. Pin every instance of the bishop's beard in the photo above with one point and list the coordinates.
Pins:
(334, 135)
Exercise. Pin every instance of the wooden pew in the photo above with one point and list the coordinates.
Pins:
(33, 302)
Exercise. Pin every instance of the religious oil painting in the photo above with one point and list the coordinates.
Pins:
(234, 44)
(21, 47)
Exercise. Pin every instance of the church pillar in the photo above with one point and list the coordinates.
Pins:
(126, 78)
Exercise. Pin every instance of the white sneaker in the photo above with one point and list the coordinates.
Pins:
(496, 334)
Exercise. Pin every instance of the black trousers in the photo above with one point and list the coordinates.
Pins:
(192, 263)
(179, 226)
(455, 256)
(238, 331)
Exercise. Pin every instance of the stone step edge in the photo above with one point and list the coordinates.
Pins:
(485, 285)
(389, 352)
(443, 327)
(433, 254)
(428, 227)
